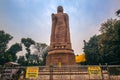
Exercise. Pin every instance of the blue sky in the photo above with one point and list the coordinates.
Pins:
(32, 18)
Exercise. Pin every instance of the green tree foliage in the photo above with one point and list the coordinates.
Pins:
(37, 58)
(44, 55)
(91, 49)
(110, 41)
(13, 50)
(27, 42)
(22, 60)
(6, 55)
(4, 39)
(104, 48)
(42, 50)
(118, 13)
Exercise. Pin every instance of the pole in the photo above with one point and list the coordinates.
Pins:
(51, 72)
(108, 71)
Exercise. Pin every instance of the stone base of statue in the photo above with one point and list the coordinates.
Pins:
(60, 57)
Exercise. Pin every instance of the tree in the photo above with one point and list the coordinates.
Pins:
(22, 61)
(4, 39)
(27, 42)
(39, 56)
(91, 49)
(13, 50)
(44, 55)
(110, 41)
(41, 48)
(118, 13)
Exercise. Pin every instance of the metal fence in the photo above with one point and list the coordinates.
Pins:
(108, 72)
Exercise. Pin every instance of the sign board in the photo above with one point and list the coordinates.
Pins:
(59, 64)
(32, 72)
(94, 70)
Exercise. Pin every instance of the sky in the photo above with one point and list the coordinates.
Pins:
(32, 18)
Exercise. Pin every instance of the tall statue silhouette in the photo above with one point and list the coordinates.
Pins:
(60, 44)
(60, 36)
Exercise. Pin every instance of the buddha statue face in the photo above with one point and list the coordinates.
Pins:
(60, 9)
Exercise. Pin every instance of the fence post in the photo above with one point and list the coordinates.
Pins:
(101, 72)
(70, 72)
(108, 71)
(0, 72)
(51, 72)
(88, 72)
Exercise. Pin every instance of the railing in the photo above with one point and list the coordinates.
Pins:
(108, 72)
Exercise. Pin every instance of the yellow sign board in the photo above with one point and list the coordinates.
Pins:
(32, 72)
(94, 70)
(59, 64)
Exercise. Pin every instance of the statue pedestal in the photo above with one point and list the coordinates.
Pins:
(62, 57)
